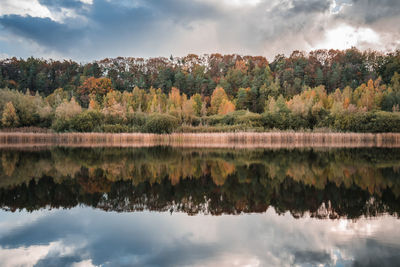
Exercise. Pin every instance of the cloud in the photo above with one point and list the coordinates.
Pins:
(87, 30)
(43, 31)
(370, 12)
(312, 257)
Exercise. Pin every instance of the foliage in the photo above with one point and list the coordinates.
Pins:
(10, 117)
(332, 89)
(160, 124)
(115, 128)
(87, 121)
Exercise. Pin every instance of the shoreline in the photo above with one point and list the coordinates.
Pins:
(217, 140)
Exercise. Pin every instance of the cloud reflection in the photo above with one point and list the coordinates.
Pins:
(85, 236)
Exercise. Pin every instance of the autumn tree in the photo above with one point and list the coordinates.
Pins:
(98, 87)
(10, 117)
(138, 99)
(218, 96)
(277, 106)
(188, 109)
(57, 97)
(226, 107)
(112, 107)
(67, 110)
(369, 96)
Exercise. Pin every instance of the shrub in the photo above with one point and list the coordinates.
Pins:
(113, 119)
(380, 121)
(137, 119)
(387, 122)
(115, 128)
(196, 121)
(284, 121)
(213, 119)
(218, 129)
(87, 121)
(161, 123)
(60, 125)
(249, 119)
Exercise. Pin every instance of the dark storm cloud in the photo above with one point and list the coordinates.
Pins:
(370, 11)
(75, 4)
(163, 27)
(312, 257)
(58, 260)
(105, 28)
(44, 31)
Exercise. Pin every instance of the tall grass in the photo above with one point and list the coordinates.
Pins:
(238, 139)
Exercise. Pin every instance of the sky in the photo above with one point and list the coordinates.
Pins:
(86, 30)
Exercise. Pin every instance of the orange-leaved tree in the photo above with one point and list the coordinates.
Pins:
(97, 87)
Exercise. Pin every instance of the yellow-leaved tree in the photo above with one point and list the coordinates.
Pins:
(220, 103)
(10, 117)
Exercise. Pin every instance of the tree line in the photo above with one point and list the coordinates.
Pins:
(345, 90)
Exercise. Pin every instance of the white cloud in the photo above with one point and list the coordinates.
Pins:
(88, 2)
(85, 263)
(24, 7)
(346, 36)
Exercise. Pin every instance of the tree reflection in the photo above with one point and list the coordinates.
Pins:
(324, 183)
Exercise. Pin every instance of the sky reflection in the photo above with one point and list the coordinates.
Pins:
(84, 236)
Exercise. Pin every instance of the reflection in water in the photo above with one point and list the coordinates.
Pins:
(287, 192)
(84, 235)
(327, 183)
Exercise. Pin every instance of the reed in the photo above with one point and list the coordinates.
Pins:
(237, 139)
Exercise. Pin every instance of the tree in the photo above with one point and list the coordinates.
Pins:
(175, 99)
(217, 97)
(242, 98)
(188, 109)
(57, 97)
(319, 79)
(97, 87)
(10, 117)
(281, 106)
(112, 106)
(67, 110)
(395, 82)
(198, 104)
(226, 107)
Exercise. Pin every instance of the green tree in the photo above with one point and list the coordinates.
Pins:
(198, 104)
(395, 82)
(242, 99)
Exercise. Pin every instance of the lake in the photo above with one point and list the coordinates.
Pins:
(166, 206)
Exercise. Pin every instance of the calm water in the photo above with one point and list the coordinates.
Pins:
(165, 206)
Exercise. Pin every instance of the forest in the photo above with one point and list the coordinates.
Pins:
(333, 90)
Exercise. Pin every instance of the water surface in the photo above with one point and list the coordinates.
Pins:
(164, 206)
